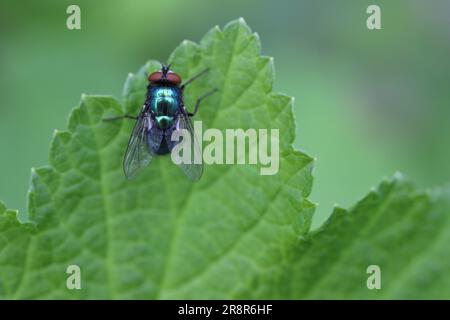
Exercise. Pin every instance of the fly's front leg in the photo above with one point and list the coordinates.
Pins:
(127, 116)
(197, 104)
(198, 75)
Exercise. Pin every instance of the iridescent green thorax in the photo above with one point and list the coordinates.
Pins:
(164, 101)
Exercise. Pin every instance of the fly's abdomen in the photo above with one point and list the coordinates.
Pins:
(164, 102)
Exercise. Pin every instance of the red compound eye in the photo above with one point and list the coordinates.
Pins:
(173, 77)
(155, 76)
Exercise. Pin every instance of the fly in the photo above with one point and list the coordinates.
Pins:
(163, 112)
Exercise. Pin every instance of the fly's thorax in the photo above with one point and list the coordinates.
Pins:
(164, 102)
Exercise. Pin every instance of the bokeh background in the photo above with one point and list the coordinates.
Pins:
(368, 103)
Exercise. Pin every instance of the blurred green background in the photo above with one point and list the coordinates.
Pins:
(368, 103)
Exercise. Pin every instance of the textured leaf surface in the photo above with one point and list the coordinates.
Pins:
(404, 232)
(234, 234)
(162, 236)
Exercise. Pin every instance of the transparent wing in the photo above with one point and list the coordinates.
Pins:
(154, 138)
(193, 170)
(139, 154)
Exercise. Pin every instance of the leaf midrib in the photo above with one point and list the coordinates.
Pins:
(180, 218)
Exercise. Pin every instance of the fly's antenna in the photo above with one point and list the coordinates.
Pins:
(165, 68)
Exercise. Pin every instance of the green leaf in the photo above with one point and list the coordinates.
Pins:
(404, 232)
(233, 234)
(14, 239)
(162, 236)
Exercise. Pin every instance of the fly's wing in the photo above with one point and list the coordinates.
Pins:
(155, 136)
(139, 154)
(193, 170)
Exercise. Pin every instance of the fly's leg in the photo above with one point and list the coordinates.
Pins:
(197, 104)
(127, 116)
(194, 78)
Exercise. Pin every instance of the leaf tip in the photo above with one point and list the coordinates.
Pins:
(399, 176)
(55, 133)
(241, 20)
(239, 24)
